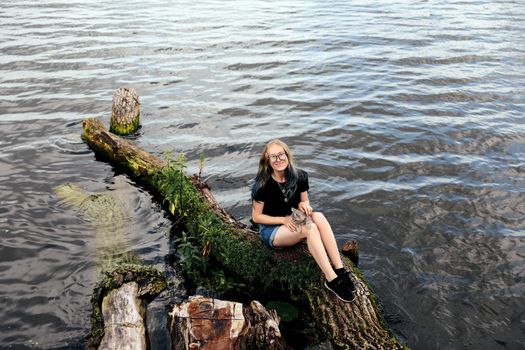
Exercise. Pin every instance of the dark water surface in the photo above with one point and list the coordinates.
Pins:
(408, 116)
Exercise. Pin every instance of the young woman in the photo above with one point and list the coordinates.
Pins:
(278, 187)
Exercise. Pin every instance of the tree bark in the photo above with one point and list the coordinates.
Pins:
(125, 111)
(123, 314)
(355, 325)
(209, 324)
(119, 303)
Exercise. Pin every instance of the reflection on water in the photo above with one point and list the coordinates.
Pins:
(408, 117)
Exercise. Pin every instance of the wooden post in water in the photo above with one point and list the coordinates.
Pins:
(125, 111)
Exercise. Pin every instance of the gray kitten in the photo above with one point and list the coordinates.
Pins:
(299, 219)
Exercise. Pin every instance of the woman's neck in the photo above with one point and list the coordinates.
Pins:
(279, 176)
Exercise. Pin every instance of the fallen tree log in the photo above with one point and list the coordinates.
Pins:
(209, 324)
(238, 249)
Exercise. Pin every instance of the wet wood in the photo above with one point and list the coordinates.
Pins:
(125, 111)
(208, 324)
(123, 314)
(355, 325)
(119, 303)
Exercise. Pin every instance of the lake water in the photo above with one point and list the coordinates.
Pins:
(407, 115)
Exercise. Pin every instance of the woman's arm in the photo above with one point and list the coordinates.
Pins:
(260, 218)
(304, 205)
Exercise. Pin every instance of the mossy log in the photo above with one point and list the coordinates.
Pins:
(208, 324)
(356, 325)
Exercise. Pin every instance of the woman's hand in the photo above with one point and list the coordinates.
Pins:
(306, 208)
(287, 221)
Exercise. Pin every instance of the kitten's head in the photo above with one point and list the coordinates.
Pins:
(298, 217)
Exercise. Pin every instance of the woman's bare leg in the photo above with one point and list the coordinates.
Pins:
(286, 238)
(327, 236)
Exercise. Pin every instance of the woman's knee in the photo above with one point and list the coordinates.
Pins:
(310, 229)
(301, 232)
(318, 216)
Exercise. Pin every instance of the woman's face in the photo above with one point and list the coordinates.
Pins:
(277, 157)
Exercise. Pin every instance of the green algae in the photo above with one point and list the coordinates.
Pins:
(107, 215)
(125, 129)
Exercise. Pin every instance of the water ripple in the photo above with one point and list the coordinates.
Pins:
(408, 117)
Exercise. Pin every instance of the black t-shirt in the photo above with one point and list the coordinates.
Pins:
(274, 199)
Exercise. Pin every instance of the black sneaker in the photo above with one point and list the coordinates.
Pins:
(340, 287)
(341, 272)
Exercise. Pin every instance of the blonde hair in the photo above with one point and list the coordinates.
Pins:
(265, 170)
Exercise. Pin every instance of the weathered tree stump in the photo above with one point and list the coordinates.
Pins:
(209, 324)
(125, 111)
(123, 314)
(239, 250)
(119, 303)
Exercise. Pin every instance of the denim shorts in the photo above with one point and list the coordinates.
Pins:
(267, 233)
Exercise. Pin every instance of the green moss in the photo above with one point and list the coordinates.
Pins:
(89, 129)
(125, 129)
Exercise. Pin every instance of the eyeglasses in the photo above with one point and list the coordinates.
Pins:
(278, 156)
